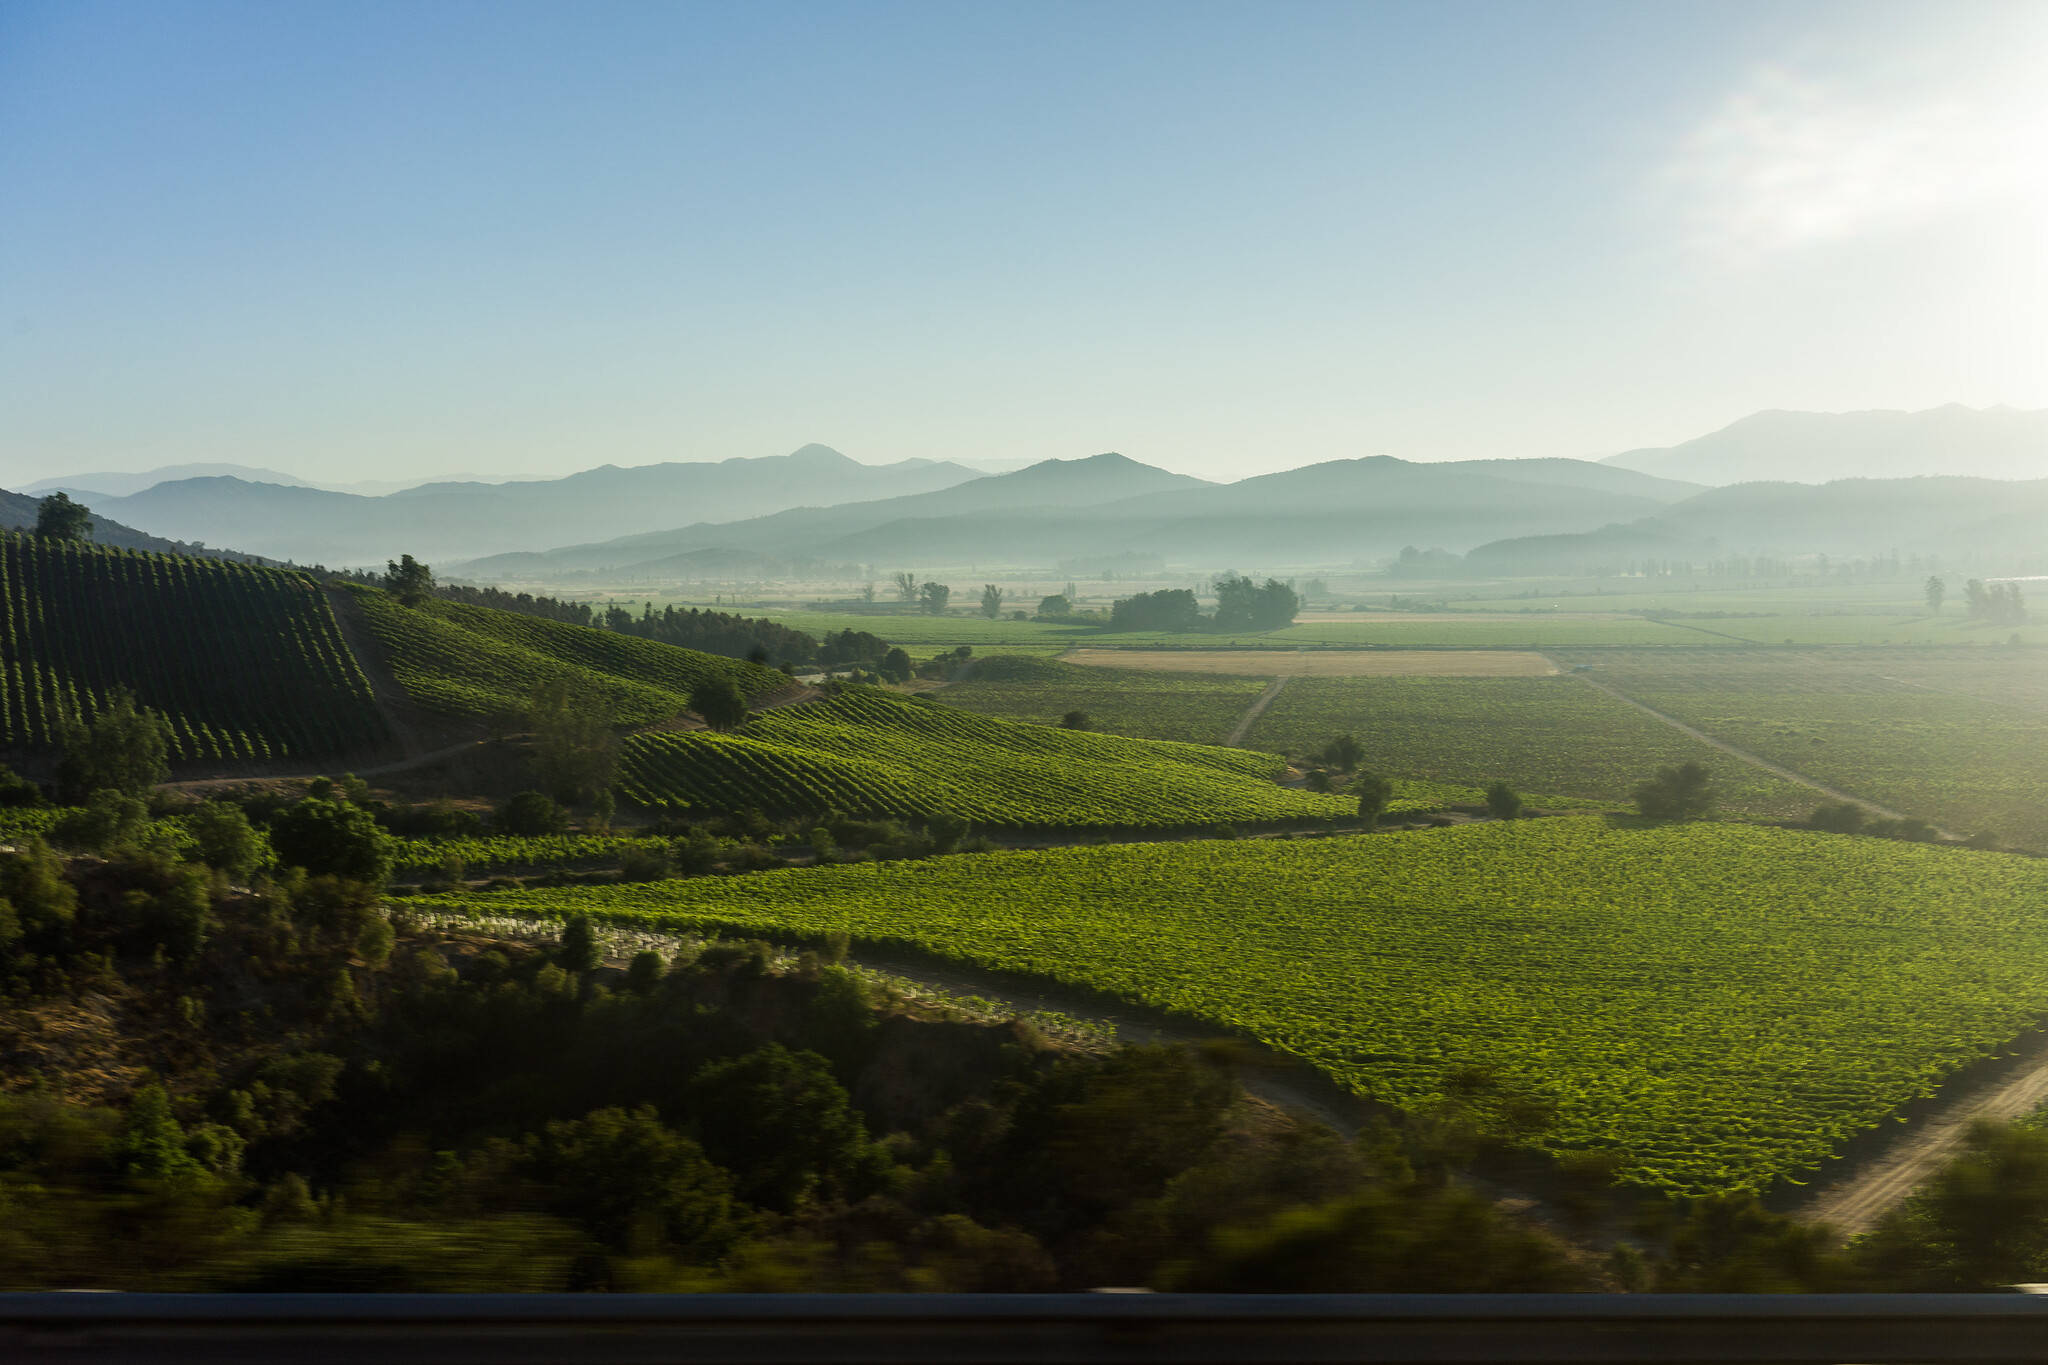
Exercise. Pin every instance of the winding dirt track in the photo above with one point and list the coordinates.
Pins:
(1253, 712)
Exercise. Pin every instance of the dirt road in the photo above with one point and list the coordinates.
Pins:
(1253, 712)
(1754, 760)
(1925, 1145)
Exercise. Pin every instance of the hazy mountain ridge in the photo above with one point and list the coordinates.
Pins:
(1336, 511)
(448, 521)
(1821, 447)
(18, 512)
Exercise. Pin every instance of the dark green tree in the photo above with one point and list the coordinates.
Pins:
(125, 748)
(1074, 720)
(408, 580)
(1937, 593)
(1055, 606)
(332, 839)
(531, 814)
(932, 598)
(580, 951)
(1682, 793)
(895, 665)
(991, 601)
(1344, 753)
(59, 518)
(574, 749)
(784, 1126)
(1373, 792)
(719, 702)
(1502, 802)
(226, 839)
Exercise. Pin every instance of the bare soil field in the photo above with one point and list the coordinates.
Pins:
(1324, 663)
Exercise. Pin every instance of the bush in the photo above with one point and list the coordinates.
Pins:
(532, 814)
(1843, 818)
(226, 839)
(1374, 792)
(1343, 753)
(645, 865)
(1074, 720)
(108, 818)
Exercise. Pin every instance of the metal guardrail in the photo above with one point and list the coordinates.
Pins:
(998, 1329)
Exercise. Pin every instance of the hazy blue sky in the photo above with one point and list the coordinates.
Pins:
(366, 240)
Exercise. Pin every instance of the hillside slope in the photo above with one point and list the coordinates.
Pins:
(245, 662)
(478, 662)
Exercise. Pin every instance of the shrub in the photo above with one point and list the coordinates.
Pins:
(532, 813)
(1681, 793)
(332, 839)
(1502, 803)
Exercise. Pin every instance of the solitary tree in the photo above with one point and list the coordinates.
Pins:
(1681, 793)
(1055, 605)
(59, 518)
(580, 951)
(408, 580)
(1343, 753)
(1074, 720)
(895, 665)
(1502, 803)
(991, 601)
(720, 702)
(1937, 593)
(933, 597)
(906, 585)
(1373, 792)
(332, 838)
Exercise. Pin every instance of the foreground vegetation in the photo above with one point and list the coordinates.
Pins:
(1714, 1007)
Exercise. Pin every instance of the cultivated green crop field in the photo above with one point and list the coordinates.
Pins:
(1548, 736)
(1956, 737)
(873, 752)
(1195, 708)
(1720, 1006)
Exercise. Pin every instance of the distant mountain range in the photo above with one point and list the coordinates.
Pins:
(446, 521)
(1819, 447)
(118, 485)
(1342, 511)
(18, 512)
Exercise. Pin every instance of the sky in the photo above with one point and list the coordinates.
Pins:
(375, 240)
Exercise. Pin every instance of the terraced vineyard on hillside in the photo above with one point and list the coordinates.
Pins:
(1719, 1006)
(474, 661)
(872, 752)
(245, 662)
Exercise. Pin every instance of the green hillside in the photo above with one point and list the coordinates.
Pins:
(476, 661)
(1717, 1006)
(245, 662)
(872, 752)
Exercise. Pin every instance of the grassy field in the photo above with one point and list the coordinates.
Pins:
(875, 753)
(1323, 663)
(1957, 737)
(1547, 736)
(1193, 707)
(1719, 1006)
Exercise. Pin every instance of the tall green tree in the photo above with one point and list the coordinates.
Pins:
(59, 518)
(991, 601)
(1937, 593)
(408, 580)
(932, 597)
(574, 749)
(125, 748)
(720, 702)
(1682, 793)
(1374, 792)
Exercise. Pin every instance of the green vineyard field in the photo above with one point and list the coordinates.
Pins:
(246, 663)
(1193, 708)
(477, 661)
(1550, 736)
(872, 752)
(1718, 1006)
